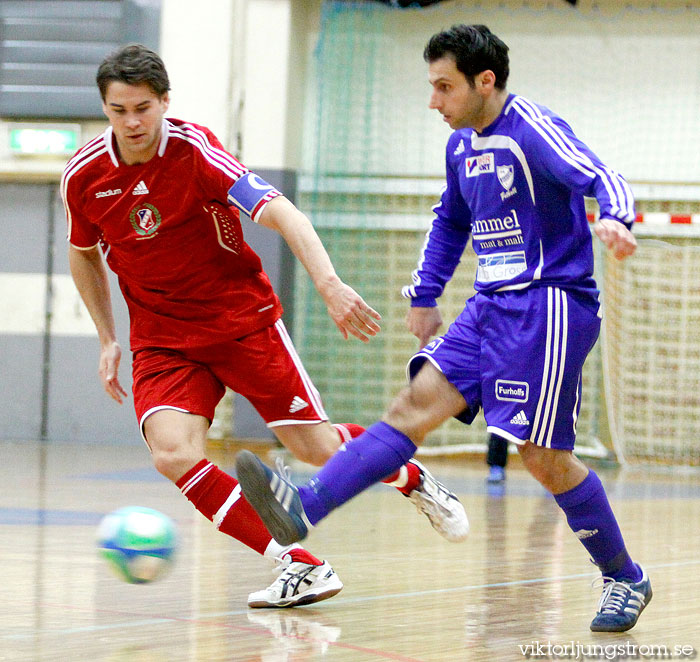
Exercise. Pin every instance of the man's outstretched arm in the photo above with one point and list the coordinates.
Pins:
(345, 306)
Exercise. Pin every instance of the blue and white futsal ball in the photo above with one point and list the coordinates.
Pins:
(137, 543)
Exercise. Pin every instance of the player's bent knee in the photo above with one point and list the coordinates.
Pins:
(407, 414)
(535, 460)
(548, 466)
(174, 456)
(402, 407)
(317, 456)
(317, 459)
(173, 462)
(313, 444)
(176, 440)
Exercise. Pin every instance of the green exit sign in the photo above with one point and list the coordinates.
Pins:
(44, 139)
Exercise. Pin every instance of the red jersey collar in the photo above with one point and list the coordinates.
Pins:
(109, 142)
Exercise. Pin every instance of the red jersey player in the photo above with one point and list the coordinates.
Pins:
(159, 199)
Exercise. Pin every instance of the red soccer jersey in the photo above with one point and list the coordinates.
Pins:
(168, 232)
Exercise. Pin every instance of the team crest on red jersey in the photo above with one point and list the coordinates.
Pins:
(145, 219)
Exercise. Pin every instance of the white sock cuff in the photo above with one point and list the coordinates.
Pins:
(275, 550)
(402, 479)
(344, 433)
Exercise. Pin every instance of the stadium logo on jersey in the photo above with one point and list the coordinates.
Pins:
(145, 219)
(509, 391)
(460, 148)
(505, 176)
(106, 194)
(140, 189)
(479, 165)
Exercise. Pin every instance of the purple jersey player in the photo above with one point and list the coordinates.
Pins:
(516, 180)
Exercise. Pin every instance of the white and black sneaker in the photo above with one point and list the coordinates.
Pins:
(297, 584)
(440, 506)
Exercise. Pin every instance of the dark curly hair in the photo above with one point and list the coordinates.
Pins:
(474, 48)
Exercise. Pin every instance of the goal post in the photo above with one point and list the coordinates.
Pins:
(651, 346)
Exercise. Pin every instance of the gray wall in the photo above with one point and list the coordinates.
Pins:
(78, 407)
(24, 218)
(49, 383)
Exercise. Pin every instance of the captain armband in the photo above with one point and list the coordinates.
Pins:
(250, 194)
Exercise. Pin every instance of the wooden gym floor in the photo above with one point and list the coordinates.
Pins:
(520, 580)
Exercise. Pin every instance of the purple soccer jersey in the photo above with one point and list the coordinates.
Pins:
(518, 190)
(518, 348)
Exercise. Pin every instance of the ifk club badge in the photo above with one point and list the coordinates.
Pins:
(505, 176)
(145, 219)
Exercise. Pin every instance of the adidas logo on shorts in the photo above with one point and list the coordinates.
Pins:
(297, 405)
(520, 419)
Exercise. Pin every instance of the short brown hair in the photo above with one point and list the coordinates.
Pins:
(133, 64)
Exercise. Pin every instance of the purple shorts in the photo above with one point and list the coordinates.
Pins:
(519, 355)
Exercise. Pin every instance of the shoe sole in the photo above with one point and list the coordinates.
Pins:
(256, 488)
(307, 599)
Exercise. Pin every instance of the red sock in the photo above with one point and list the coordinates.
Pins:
(300, 555)
(348, 431)
(218, 497)
(405, 480)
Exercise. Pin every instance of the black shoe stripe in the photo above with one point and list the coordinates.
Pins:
(294, 579)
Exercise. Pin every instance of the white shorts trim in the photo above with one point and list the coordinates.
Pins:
(153, 410)
(554, 367)
(311, 391)
(506, 435)
(274, 424)
(421, 355)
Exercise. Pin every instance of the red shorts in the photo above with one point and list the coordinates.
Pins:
(263, 367)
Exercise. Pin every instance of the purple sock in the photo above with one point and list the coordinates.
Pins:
(591, 519)
(377, 453)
